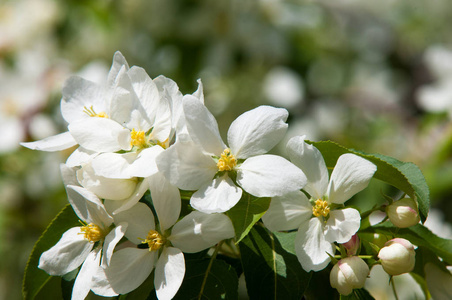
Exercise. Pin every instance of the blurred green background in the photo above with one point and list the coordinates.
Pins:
(371, 75)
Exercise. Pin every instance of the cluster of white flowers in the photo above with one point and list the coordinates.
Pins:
(136, 134)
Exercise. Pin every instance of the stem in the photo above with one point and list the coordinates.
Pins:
(360, 256)
(217, 248)
(393, 288)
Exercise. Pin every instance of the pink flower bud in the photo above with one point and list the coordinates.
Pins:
(397, 256)
(352, 245)
(403, 213)
(349, 273)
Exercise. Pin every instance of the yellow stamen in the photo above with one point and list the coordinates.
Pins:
(227, 162)
(320, 208)
(90, 112)
(138, 138)
(154, 240)
(92, 232)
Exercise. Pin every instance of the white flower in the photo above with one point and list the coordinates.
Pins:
(128, 114)
(90, 246)
(81, 100)
(349, 273)
(207, 165)
(319, 223)
(195, 232)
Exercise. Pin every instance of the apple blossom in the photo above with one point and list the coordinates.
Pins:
(318, 221)
(205, 164)
(90, 245)
(165, 242)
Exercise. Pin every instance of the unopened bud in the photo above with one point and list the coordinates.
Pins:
(352, 245)
(349, 273)
(403, 213)
(397, 256)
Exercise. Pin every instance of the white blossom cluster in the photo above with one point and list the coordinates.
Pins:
(135, 134)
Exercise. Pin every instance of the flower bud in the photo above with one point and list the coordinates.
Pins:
(397, 256)
(403, 213)
(352, 245)
(349, 273)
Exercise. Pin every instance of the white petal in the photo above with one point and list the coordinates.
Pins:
(199, 93)
(257, 131)
(169, 90)
(68, 174)
(139, 221)
(169, 273)
(114, 165)
(105, 188)
(82, 284)
(125, 107)
(119, 62)
(80, 156)
(185, 166)
(311, 246)
(140, 190)
(202, 126)
(342, 225)
(166, 200)
(162, 125)
(198, 231)
(100, 134)
(100, 285)
(218, 196)
(57, 142)
(146, 91)
(269, 176)
(88, 206)
(351, 175)
(287, 212)
(129, 268)
(110, 243)
(79, 93)
(309, 159)
(144, 165)
(68, 254)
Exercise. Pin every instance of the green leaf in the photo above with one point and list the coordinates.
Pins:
(272, 270)
(246, 213)
(35, 279)
(405, 176)
(358, 294)
(420, 236)
(208, 279)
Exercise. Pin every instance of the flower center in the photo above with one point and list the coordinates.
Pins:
(90, 112)
(320, 208)
(138, 138)
(227, 161)
(92, 232)
(154, 240)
